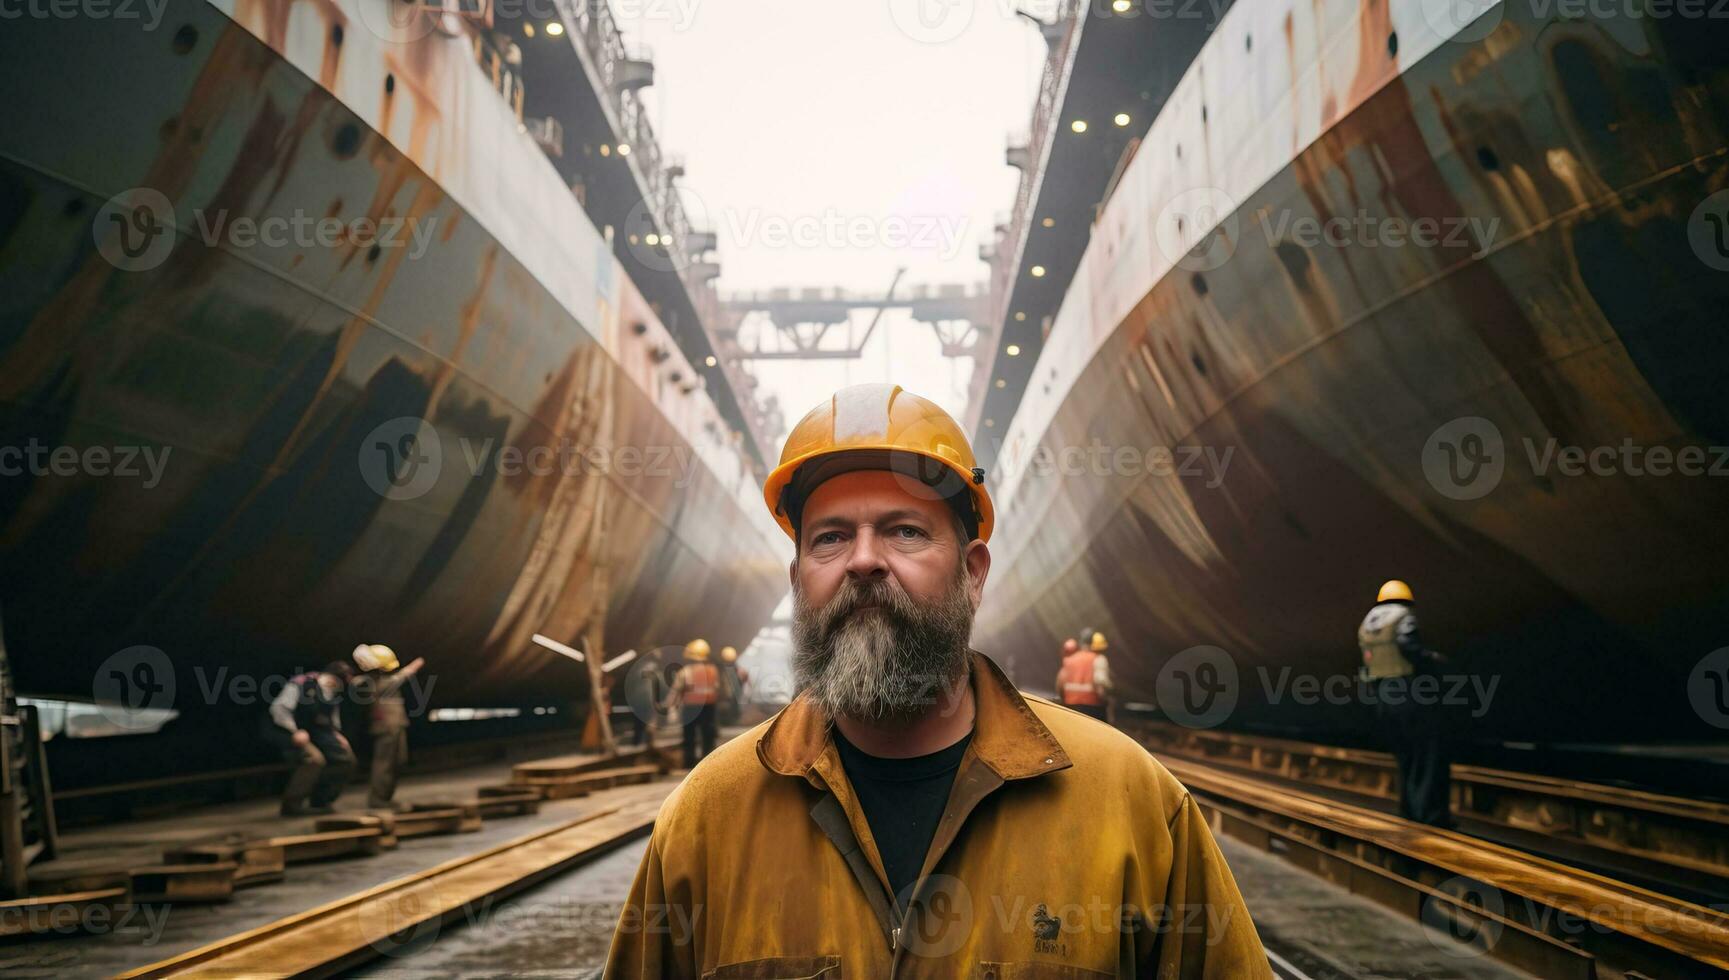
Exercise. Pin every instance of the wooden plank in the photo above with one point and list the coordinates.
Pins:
(35, 914)
(342, 934)
(209, 881)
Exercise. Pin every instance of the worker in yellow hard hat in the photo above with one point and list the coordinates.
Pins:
(905, 749)
(379, 690)
(1393, 658)
(1084, 680)
(732, 681)
(696, 693)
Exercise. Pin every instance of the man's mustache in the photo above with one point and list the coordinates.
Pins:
(855, 595)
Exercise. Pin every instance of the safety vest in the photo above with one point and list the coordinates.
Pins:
(1077, 677)
(701, 684)
(1379, 638)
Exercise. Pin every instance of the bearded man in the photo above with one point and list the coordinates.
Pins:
(910, 813)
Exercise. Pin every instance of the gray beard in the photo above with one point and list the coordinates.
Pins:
(888, 664)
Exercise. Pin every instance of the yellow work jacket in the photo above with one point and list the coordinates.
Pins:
(1065, 850)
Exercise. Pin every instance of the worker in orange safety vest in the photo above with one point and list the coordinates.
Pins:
(1084, 682)
(696, 692)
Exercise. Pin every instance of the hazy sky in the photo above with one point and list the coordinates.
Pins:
(829, 142)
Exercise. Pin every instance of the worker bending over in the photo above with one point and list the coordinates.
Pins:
(305, 725)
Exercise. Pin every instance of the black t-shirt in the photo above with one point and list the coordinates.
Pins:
(903, 800)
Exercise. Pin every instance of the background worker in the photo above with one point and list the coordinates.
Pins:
(732, 678)
(305, 725)
(1084, 681)
(695, 692)
(380, 689)
(1393, 654)
(643, 687)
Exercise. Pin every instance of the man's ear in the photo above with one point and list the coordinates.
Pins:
(792, 572)
(978, 559)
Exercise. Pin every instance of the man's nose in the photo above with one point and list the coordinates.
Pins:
(866, 560)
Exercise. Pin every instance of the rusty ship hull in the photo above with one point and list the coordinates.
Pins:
(577, 492)
(1301, 391)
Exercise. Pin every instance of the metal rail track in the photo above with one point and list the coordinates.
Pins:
(342, 934)
(1668, 835)
(1541, 916)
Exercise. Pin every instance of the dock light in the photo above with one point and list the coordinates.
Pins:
(1121, 119)
(619, 661)
(624, 149)
(1014, 350)
(1121, 6)
(1048, 222)
(554, 29)
(1020, 315)
(652, 238)
(1038, 271)
(1079, 125)
(710, 360)
(990, 423)
(605, 150)
(1001, 383)
(528, 30)
(557, 647)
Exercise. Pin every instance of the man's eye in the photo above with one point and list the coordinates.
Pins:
(908, 532)
(826, 537)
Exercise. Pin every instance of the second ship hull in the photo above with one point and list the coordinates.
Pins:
(1309, 390)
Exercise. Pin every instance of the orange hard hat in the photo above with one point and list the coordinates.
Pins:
(877, 426)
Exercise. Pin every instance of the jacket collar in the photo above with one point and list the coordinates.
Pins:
(1007, 735)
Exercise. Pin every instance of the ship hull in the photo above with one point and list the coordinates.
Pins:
(1295, 397)
(575, 494)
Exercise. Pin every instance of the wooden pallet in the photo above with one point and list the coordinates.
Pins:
(206, 881)
(582, 784)
(508, 800)
(256, 862)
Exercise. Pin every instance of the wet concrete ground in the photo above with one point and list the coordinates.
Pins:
(560, 929)
(564, 929)
(1328, 933)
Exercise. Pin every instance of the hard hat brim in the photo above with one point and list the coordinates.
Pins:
(826, 464)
